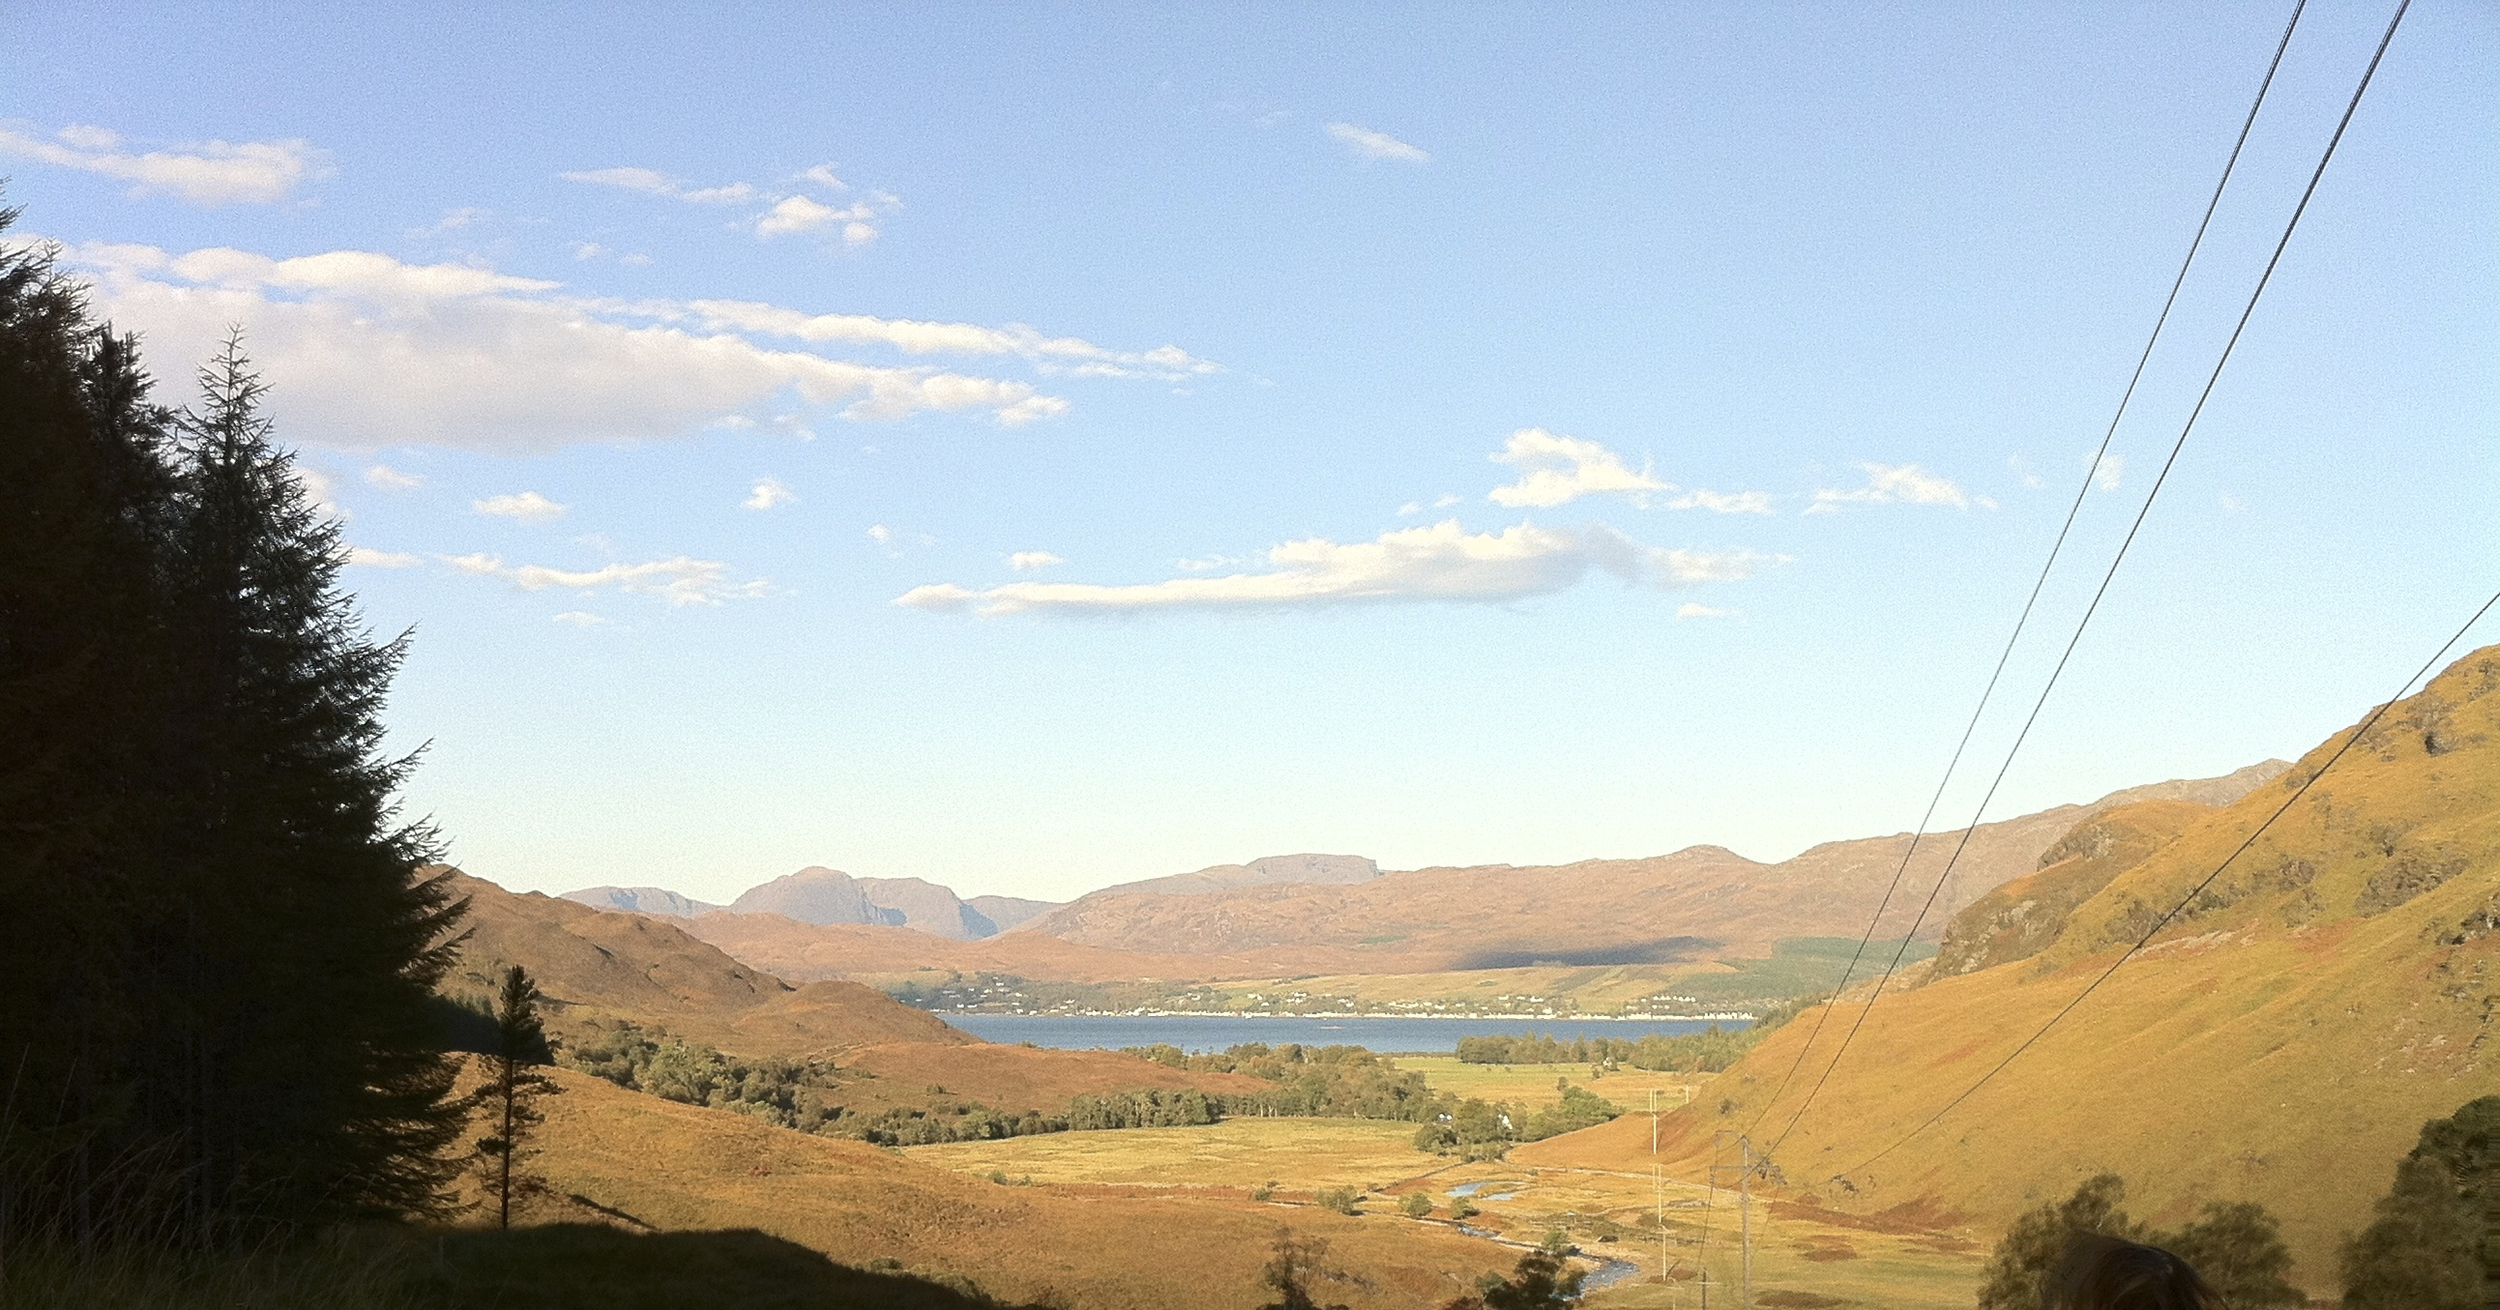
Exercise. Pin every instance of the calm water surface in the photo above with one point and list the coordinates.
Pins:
(1196, 1033)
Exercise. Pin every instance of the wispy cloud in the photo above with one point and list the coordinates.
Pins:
(768, 492)
(679, 580)
(1889, 483)
(322, 492)
(363, 351)
(1693, 610)
(527, 506)
(1722, 502)
(580, 619)
(362, 557)
(1556, 470)
(391, 479)
(1376, 145)
(1025, 561)
(1442, 562)
(785, 213)
(652, 182)
(1069, 355)
(2110, 472)
(452, 221)
(207, 173)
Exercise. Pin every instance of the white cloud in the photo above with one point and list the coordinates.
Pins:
(1376, 145)
(784, 215)
(880, 533)
(2109, 472)
(795, 214)
(527, 506)
(1723, 502)
(1445, 502)
(1887, 483)
(1025, 560)
(1442, 562)
(1073, 355)
(322, 492)
(588, 250)
(362, 351)
(679, 581)
(652, 182)
(451, 221)
(364, 558)
(391, 479)
(1692, 610)
(580, 618)
(768, 492)
(1410, 509)
(209, 173)
(1557, 469)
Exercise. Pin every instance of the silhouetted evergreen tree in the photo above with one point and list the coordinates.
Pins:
(86, 506)
(510, 1094)
(308, 1069)
(216, 1013)
(2424, 1251)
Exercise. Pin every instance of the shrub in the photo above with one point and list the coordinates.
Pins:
(1340, 1199)
(1415, 1205)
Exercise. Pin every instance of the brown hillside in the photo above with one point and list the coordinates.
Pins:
(1595, 912)
(596, 965)
(2016, 920)
(648, 1163)
(849, 950)
(2282, 1043)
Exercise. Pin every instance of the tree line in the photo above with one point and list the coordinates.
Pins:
(217, 1018)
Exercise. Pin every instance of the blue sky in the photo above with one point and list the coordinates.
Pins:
(1036, 447)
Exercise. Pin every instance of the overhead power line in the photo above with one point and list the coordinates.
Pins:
(2090, 473)
(2102, 591)
(2199, 889)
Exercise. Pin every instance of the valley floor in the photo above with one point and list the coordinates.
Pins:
(1804, 1257)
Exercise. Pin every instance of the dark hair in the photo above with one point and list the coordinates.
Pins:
(2101, 1272)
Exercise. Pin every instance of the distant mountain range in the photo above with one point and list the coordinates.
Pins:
(822, 896)
(1314, 914)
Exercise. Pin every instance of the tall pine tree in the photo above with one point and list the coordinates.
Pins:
(309, 1073)
(215, 1016)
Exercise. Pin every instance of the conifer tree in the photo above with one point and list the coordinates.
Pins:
(510, 1094)
(85, 507)
(308, 1065)
(217, 1016)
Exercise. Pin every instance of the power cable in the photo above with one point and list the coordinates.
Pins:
(2199, 889)
(2091, 472)
(2102, 591)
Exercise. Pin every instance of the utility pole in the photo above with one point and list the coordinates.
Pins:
(1752, 1165)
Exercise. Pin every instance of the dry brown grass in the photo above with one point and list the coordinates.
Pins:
(2282, 1046)
(645, 1162)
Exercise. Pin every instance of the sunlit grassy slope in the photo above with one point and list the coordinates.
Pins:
(2282, 1042)
(640, 1161)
